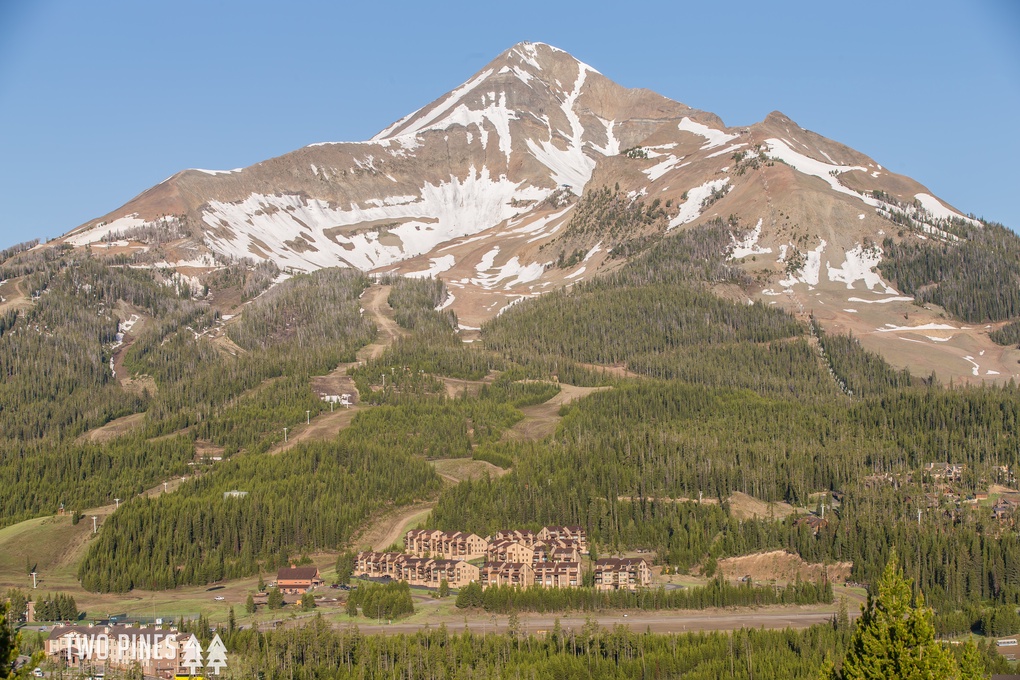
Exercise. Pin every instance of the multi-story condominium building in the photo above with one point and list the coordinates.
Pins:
(558, 574)
(417, 571)
(575, 533)
(557, 551)
(621, 574)
(445, 544)
(507, 550)
(525, 537)
(520, 574)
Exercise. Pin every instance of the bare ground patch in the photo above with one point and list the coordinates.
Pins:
(541, 420)
(390, 526)
(113, 429)
(782, 567)
(459, 469)
(323, 426)
(747, 507)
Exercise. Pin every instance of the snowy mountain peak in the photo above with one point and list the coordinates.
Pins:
(538, 172)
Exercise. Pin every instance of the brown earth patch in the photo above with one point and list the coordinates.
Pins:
(781, 567)
(324, 426)
(743, 506)
(541, 420)
(113, 429)
(390, 526)
(457, 470)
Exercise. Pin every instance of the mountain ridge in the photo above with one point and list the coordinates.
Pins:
(481, 187)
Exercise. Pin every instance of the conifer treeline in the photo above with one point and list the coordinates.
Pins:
(976, 279)
(313, 496)
(718, 593)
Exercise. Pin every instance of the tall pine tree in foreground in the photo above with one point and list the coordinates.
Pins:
(896, 639)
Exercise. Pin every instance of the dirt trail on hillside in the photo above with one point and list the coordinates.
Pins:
(324, 426)
(112, 430)
(13, 295)
(373, 301)
(390, 528)
(541, 420)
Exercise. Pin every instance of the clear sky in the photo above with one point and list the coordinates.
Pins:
(100, 100)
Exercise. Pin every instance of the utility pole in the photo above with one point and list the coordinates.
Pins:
(164, 487)
(94, 528)
(117, 501)
(308, 417)
(33, 580)
(284, 435)
(919, 517)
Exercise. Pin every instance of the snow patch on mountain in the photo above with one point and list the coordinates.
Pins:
(892, 328)
(809, 272)
(859, 265)
(939, 211)
(268, 227)
(495, 112)
(439, 110)
(882, 301)
(570, 166)
(437, 265)
(748, 246)
(510, 274)
(218, 172)
(661, 168)
(690, 209)
(780, 150)
(714, 137)
(103, 230)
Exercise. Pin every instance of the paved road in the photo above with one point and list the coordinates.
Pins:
(658, 622)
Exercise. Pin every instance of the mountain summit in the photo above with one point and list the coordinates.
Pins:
(540, 172)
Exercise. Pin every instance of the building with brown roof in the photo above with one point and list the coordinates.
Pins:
(298, 580)
(417, 571)
(571, 533)
(558, 574)
(520, 574)
(524, 537)
(627, 573)
(509, 551)
(559, 550)
(445, 544)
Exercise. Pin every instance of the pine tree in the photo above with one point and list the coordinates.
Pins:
(972, 666)
(275, 600)
(249, 605)
(894, 639)
(444, 588)
(344, 567)
(8, 641)
(307, 602)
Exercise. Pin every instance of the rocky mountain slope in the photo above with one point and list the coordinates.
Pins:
(539, 172)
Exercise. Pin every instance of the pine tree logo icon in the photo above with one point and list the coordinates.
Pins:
(192, 655)
(216, 655)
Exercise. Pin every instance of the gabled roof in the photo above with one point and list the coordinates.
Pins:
(297, 574)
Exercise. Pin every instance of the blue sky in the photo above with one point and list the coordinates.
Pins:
(100, 100)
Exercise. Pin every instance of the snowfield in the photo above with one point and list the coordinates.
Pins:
(690, 209)
(292, 230)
